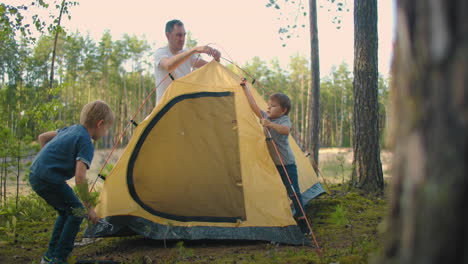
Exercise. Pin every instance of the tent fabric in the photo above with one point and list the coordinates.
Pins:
(198, 167)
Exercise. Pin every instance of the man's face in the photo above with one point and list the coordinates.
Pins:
(176, 38)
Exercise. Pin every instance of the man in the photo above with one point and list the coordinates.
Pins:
(176, 60)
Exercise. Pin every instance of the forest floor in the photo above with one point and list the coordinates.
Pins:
(346, 224)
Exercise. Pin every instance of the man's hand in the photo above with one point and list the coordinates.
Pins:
(209, 51)
(216, 55)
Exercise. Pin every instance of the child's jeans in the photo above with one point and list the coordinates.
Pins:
(292, 173)
(70, 210)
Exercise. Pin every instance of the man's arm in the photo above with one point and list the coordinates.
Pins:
(83, 193)
(44, 138)
(171, 63)
(251, 100)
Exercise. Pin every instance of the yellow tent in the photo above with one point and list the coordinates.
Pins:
(198, 167)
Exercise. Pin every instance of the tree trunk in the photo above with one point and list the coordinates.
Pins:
(1, 182)
(307, 140)
(54, 51)
(367, 167)
(89, 91)
(350, 122)
(303, 116)
(18, 170)
(335, 110)
(126, 107)
(428, 217)
(5, 176)
(342, 112)
(297, 136)
(315, 85)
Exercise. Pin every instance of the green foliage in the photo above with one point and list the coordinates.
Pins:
(341, 160)
(33, 208)
(339, 216)
(85, 71)
(30, 209)
(9, 220)
(293, 15)
(183, 253)
(336, 97)
(353, 259)
(107, 169)
(86, 196)
(13, 17)
(335, 8)
(190, 42)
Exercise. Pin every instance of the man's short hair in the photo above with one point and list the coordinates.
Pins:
(283, 100)
(170, 25)
(95, 111)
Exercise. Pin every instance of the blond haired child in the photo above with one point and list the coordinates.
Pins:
(66, 153)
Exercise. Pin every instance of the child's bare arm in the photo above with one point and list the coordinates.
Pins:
(82, 187)
(251, 100)
(46, 137)
(283, 130)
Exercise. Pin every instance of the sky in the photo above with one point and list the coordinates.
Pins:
(240, 29)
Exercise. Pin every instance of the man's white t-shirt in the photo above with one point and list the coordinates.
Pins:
(159, 72)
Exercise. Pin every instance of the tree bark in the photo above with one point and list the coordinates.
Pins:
(303, 116)
(18, 171)
(342, 112)
(428, 218)
(307, 140)
(367, 167)
(315, 85)
(335, 110)
(296, 121)
(54, 51)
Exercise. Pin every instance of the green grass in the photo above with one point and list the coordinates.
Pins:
(345, 224)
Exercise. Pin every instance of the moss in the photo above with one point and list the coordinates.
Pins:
(352, 260)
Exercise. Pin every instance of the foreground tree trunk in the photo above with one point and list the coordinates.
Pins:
(367, 167)
(315, 85)
(428, 219)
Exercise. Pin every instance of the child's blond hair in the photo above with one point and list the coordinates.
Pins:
(95, 111)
